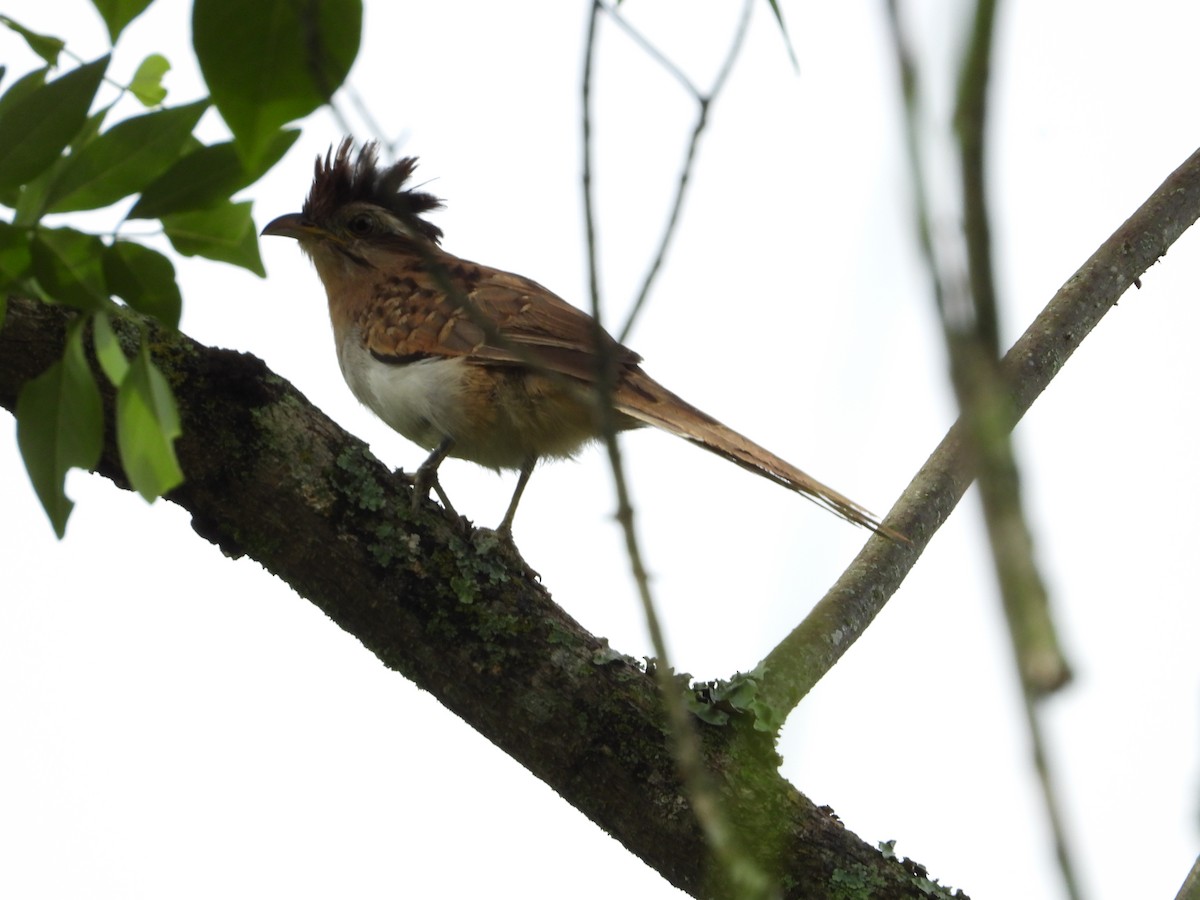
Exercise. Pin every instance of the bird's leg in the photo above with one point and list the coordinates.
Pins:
(426, 477)
(505, 529)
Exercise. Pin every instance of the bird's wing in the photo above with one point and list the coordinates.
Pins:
(439, 312)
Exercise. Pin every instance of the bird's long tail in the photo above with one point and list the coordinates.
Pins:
(642, 398)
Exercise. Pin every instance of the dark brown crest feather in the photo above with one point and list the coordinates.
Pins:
(340, 178)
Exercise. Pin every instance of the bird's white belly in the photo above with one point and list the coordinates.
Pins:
(498, 419)
(422, 400)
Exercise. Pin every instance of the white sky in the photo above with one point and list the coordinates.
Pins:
(176, 724)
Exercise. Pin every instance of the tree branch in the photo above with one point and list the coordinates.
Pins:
(456, 612)
(837, 621)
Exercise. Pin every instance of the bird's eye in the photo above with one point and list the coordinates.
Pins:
(361, 225)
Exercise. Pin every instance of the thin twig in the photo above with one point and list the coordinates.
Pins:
(705, 103)
(906, 63)
(1045, 777)
(653, 52)
(589, 205)
(738, 868)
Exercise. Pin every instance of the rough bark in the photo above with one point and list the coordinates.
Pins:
(271, 477)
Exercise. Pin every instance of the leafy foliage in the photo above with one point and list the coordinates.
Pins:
(225, 232)
(123, 159)
(60, 426)
(64, 148)
(36, 127)
(143, 278)
(203, 177)
(274, 65)
(146, 83)
(66, 264)
(44, 46)
(147, 425)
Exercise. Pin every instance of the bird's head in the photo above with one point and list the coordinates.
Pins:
(354, 205)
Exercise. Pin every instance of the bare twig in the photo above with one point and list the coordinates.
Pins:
(1045, 777)
(653, 52)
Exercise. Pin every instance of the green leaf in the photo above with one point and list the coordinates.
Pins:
(67, 264)
(109, 354)
(15, 260)
(145, 279)
(124, 159)
(34, 194)
(119, 13)
(43, 45)
(225, 233)
(60, 426)
(147, 83)
(35, 129)
(274, 61)
(206, 177)
(23, 87)
(147, 426)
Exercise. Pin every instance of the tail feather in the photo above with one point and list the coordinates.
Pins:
(642, 398)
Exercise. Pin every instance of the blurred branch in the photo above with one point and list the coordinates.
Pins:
(837, 621)
(974, 354)
(737, 869)
(970, 122)
(968, 312)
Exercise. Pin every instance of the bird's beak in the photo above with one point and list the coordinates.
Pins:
(293, 225)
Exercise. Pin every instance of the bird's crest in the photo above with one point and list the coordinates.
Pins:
(340, 178)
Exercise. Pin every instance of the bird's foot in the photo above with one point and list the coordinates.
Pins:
(423, 481)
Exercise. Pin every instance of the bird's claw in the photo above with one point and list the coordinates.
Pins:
(423, 482)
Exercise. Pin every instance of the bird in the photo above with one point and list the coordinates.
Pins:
(477, 363)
